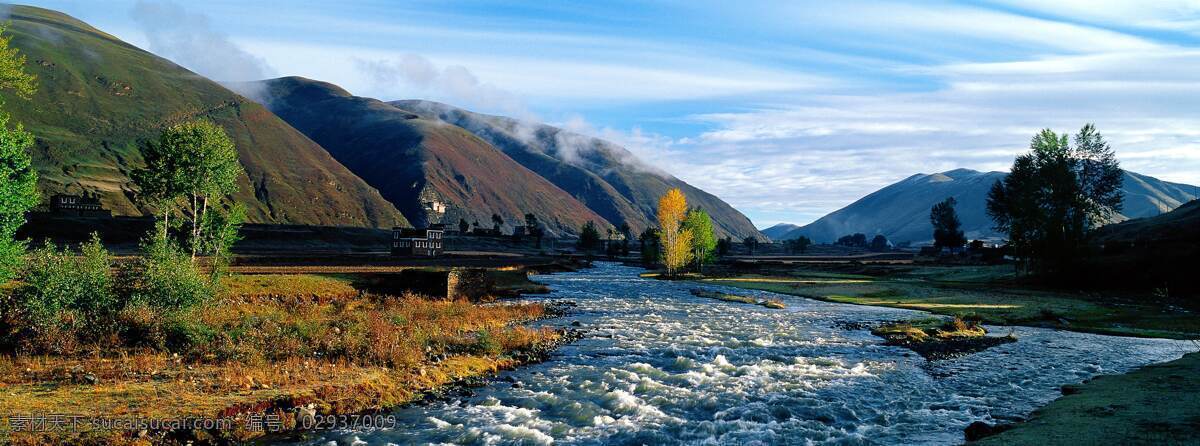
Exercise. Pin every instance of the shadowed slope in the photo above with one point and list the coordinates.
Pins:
(413, 160)
(607, 178)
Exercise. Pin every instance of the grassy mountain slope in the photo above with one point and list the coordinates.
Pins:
(606, 177)
(413, 159)
(98, 97)
(1182, 223)
(901, 211)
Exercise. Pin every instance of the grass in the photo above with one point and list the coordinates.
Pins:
(986, 293)
(269, 344)
(930, 329)
(266, 286)
(1154, 405)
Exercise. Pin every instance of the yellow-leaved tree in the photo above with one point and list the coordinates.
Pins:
(676, 240)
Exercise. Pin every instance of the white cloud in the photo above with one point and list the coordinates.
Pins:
(456, 82)
(188, 39)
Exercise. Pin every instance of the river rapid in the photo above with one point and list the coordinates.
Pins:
(661, 366)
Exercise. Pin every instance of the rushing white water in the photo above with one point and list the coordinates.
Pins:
(665, 367)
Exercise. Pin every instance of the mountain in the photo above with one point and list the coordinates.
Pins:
(1182, 223)
(415, 160)
(778, 231)
(901, 211)
(605, 177)
(1153, 253)
(98, 97)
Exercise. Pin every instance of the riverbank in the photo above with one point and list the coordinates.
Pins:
(984, 292)
(1153, 405)
(275, 353)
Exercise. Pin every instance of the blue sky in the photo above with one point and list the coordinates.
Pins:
(787, 110)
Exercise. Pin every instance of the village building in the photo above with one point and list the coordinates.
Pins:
(78, 206)
(425, 242)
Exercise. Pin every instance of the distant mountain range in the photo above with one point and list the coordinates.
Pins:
(901, 211)
(334, 159)
(98, 97)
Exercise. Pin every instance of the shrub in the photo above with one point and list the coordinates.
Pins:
(183, 333)
(168, 279)
(57, 281)
(63, 293)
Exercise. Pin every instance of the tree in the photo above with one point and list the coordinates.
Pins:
(880, 243)
(797, 245)
(589, 237)
(676, 240)
(1054, 196)
(947, 229)
(18, 179)
(724, 246)
(751, 243)
(463, 226)
(626, 234)
(195, 159)
(704, 242)
(650, 249)
(534, 229)
(857, 240)
(497, 222)
(802, 244)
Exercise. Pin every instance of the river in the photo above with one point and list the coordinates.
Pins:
(661, 366)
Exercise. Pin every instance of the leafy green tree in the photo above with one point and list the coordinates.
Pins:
(589, 237)
(497, 222)
(18, 193)
(221, 229)
(12, 68)
(196, 160)
(947, 229)
(18, 179)
(704, 242)
(1054, 196)
(463, 226)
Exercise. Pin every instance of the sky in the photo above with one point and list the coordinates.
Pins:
(786, 110)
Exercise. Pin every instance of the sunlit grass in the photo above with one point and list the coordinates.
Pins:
(272, 339)
(991, 302)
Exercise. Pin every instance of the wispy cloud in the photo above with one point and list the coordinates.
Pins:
(189, 39)
(412, 71)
